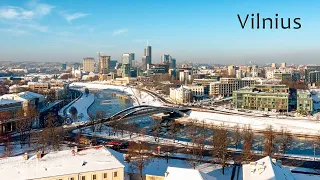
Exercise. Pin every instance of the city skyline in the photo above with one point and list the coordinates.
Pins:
(206, 31)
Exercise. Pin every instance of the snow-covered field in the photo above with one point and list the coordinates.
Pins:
(259, 123)
(158, 167)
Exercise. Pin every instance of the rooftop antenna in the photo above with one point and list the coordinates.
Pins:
(147, 42)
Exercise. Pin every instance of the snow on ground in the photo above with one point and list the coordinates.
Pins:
(82, 106)
(158, 167)
(139, 97)
(258, 123)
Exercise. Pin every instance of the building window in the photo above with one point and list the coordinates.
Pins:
(71, 178)
(83, 178)
(104, 175)
(115, 174)
(94, 177)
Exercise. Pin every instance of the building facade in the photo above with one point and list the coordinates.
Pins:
(304, 102)
(226, 86)
(88, 64)
(103, 64)
(180, 95)
(262, 97)
(8, 113)
(197, 92)
(93, 163)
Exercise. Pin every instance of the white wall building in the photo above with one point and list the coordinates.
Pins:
(180, 95)
(87, 164)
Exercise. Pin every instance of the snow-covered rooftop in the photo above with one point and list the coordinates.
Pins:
(24, 95)
(58, 163)
(266, 169)
(174, 173)
(8, 101)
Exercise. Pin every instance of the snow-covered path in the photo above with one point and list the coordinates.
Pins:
(82, 106)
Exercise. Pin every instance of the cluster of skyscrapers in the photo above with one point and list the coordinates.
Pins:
(128, 67)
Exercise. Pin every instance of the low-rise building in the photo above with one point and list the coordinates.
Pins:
(226, 86)
(205, 83)
(94, 163)
(8, 112)
(197, 92)
(266, 169)
(39, 86)
(180, 95)
(262, 97)
(27, 97)
(304, 102)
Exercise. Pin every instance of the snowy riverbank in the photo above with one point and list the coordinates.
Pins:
(295, 126)
(139, 97)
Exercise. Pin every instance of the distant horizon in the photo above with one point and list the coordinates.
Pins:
(190, 31)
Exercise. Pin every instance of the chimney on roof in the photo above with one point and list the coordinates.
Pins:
(39, 154)
(25, 156)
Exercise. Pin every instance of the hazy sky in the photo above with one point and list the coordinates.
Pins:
(189, 30)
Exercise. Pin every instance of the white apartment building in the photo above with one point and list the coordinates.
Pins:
(197, 92)
(185, 76)
(180, 95)
(276, 73)
(94, 163)
(226, 86)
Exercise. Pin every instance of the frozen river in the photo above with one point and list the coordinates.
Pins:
(110, 102)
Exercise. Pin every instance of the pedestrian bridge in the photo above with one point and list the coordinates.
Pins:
(137, 111)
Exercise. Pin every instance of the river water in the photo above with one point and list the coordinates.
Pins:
(112, 101)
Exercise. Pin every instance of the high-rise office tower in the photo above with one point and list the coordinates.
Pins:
(88, 64)
(103, 65)
(173, 63)
(166, 59)
(112, 65)
(283, 65)
(126, 58)
(144, 62)
(131, 57)
(273, 65)
(146, 59)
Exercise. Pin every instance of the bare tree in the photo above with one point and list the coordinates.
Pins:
(156, 128)
(55, 133)
(8, 148)
(42, 140)
(269, 138)
(21, 125)
(92, 120)
(247, 136)
(100, 115)
(236, 136)
(73, 111)
(220, 144)
(174, 130)
(193, 146)
(138, 156)
(32, 115)
(284, 140)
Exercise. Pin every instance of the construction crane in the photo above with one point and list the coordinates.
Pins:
(99, 53)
